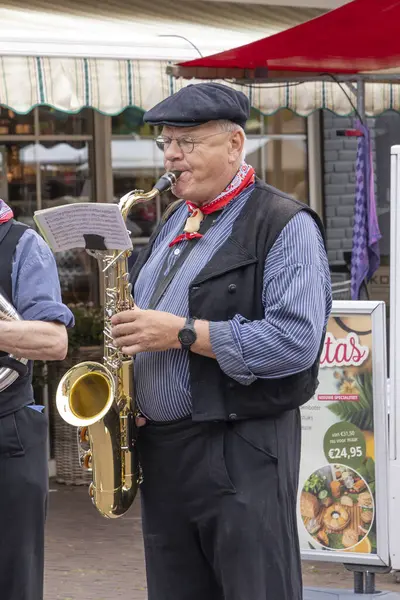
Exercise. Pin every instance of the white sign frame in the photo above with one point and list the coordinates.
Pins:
(376, 310)
(394, 414)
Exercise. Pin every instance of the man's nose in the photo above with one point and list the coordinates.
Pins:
(173, 151)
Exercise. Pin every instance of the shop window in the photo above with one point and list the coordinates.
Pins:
(137, 164)
(143, 217)
(39, 172)
(285, 122)
(78, 277)
(56, 122)
(277, 149)
(18, 180)
(13, 124)
(65, 174)
(65, 179)
(285, 166)
(129, 122)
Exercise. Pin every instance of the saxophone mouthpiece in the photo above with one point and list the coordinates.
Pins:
(167, 181)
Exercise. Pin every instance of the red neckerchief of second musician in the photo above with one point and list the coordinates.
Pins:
(5, 212)
(243, 178)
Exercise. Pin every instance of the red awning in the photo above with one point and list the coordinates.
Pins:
(359, 37)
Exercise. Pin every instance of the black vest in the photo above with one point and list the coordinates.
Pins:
(232, 283)
(19, 393)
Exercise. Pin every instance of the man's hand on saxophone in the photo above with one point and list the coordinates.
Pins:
(145, 330)
(140, 330)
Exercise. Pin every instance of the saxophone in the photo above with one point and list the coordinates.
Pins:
(99, 398)
(17, 364)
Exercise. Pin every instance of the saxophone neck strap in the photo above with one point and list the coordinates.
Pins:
(164, 281)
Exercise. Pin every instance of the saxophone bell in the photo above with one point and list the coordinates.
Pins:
(85, 394)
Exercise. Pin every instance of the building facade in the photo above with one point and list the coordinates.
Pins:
(74, 84)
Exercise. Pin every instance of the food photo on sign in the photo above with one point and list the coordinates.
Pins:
(337, 495)
(337, 509)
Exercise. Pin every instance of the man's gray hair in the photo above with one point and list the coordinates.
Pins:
(230, 126)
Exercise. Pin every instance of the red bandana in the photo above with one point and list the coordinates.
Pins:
(243, 178)
(5, 212)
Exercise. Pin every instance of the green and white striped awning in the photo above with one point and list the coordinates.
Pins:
(70, 84)
(112, 56)
(108, 85)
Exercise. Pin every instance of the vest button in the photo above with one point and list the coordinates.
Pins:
(231, 384)
(233, 417)
(232, 288)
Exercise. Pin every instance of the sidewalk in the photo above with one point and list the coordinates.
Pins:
(91, 558)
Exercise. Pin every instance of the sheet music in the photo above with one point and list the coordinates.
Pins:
(64, 227)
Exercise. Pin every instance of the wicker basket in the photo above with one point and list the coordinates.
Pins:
(68, 469)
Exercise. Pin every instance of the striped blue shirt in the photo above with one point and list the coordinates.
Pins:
(296, 299)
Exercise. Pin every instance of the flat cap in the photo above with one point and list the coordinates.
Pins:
(200, 103)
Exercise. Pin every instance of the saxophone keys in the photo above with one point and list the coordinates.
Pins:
(83, 433)
(86, 461)
(91, 490)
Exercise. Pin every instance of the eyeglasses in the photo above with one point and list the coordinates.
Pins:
(186, 144)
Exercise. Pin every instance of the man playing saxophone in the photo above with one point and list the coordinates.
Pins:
(29, 287)
(232, 300)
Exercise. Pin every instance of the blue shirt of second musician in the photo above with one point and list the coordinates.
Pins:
(296, 299)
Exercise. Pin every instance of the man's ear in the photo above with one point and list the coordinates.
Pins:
(236, 145)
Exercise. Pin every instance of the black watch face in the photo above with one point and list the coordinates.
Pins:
(187, 337)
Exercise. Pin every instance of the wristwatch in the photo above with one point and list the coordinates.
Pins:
(187, 335)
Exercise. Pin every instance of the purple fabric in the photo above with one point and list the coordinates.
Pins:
(365, 257)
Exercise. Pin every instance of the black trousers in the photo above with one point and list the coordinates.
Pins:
(23, 498)
(219, 511)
